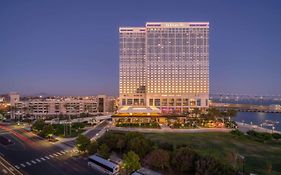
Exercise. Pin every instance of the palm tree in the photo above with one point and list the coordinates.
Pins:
(196, 111)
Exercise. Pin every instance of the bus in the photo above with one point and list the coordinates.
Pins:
(103, 165)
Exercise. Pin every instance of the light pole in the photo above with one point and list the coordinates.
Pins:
(273, 129)
(243, 161)
(69, 124)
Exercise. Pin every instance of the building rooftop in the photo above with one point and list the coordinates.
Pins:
(138, 110)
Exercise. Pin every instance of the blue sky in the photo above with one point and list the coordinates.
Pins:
(71, 47)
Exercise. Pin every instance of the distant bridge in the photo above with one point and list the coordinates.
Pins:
(247, 107)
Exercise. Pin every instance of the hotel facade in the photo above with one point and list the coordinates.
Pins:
(165, 65)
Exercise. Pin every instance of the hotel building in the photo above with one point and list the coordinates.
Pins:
(165, 65)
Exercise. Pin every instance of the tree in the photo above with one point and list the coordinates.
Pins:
(214, 113)
(159, 159)
(38, 125)
(209, 165)
(47, 131)
(110, 139)
(92, 147)
(196, 111)
(140, 145)
(231, 113)
(82, 143)
(104, 151)
(131, 162)
(121, 144)
(184, 160)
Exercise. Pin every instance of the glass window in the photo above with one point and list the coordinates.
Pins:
(150, 102)
(198, 102)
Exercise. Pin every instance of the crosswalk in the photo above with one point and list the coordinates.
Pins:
(43, 158)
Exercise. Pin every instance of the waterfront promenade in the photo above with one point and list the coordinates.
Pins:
(244, 127)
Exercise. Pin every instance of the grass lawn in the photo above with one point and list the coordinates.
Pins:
(258, 156)
(76, 129)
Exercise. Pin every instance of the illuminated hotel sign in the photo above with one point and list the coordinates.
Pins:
(174, 25)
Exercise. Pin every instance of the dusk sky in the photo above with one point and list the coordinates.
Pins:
(65, 47)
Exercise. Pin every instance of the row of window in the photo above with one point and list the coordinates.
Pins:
(166, 102)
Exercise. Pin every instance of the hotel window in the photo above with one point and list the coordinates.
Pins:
(136, 101)
(192, 103)
(129, 101)
(157, 102)
(150, 102)
(198, 102)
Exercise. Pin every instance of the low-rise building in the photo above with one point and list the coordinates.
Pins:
(55, 106)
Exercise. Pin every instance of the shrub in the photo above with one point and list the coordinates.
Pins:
(236, 132)
(259, 136)
(276, 136)
(82, 142)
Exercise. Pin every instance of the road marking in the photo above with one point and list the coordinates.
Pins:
(4, 171)
(17, 167)
(55, 155)
(59, 153)
(51, 156)
(5, 166)
(22, 165)
(47, 157)
(63, 152)
(33, 161)
(28, 163)
(42, 159)
(38, 160)
(11, 169)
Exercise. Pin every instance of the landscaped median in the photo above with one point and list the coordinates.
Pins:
(62, 130)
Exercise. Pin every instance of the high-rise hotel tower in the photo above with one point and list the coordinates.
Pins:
(166, 65)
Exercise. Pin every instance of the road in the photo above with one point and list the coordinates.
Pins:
(7, 169)
(32, 155)
(91, 133)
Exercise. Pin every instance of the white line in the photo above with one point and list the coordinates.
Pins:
(17, 167)
(28, 163)
(11, 169)
(59, 153)
(42, 159)
(55, 155)
(63, 152)
(47, 157)
(33, 161)
(3, 160)
(4, 171)
(51, 156)
(38, 160)
(22, 165)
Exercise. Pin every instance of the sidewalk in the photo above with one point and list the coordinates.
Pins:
(163, 130)
(244, 127)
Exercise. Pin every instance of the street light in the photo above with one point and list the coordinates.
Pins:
(243, 161)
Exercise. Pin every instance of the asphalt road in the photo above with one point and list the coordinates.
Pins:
(33, 155)
(89, 134)
(7, 169)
